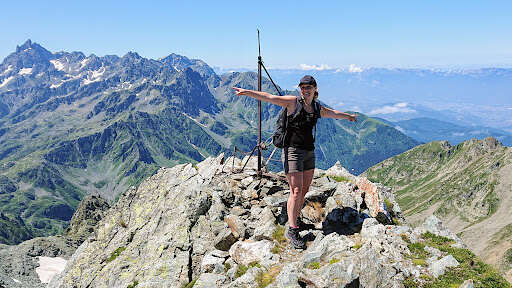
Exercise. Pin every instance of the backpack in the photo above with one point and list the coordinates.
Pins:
(279, 136)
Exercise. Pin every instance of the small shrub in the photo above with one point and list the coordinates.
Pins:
(339, 178)
(254, 264)
(405, 238)
(389, 204)
(418, 250)
(265, 278)
(277, 249)
(334, 260)
(122, 223)
(438, 240)
(191, 284)
(357, 245)
(410, 283)
(135, 283)
(278, 234)
(116, 253)
(227, 266)
(240, 270)
(314, 265)
(508, 257)
(420, 262)
(243, 268)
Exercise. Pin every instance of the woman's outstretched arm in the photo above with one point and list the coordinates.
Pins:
(284, 101)
(331, 113)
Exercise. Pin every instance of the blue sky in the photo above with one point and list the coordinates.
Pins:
(223, 33)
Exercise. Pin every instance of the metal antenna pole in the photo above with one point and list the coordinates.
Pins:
(259, 104)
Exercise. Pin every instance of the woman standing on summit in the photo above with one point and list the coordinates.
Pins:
(299, 152)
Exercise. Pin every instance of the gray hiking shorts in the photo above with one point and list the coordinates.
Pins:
(297, 160)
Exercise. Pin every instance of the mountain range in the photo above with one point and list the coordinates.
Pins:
(73, 125)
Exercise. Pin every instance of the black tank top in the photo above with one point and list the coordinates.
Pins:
(300, 130)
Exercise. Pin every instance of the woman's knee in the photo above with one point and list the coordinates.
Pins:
(296, 192)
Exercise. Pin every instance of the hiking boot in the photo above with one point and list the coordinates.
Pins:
(295, 240)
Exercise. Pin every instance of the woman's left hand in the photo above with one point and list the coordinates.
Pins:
(240, 91)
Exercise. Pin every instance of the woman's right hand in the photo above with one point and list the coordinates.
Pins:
(240, 91)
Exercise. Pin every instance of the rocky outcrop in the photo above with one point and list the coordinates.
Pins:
(32, 263)
(208, 225)
(89, 212)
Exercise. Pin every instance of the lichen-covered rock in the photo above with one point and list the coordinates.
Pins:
(246, 252)
(435, 226)
(220, 228)
(210, 280)
(89, 212)
(438, 268)
(265, 226)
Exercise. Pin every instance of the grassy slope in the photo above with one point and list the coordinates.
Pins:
(468, 186)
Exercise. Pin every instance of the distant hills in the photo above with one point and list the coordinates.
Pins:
(429, 129)
(465, 97)
(73, 125)
(468, 186)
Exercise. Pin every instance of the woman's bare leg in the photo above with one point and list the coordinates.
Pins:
(307, 178)
(295, 180)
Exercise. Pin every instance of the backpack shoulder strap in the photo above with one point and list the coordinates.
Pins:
(298, 106)
(316, 109)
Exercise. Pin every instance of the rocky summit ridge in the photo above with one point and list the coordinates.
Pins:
(210, 225)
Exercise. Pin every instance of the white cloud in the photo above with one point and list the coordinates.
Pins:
(477, 132)
(315, 67)
(355, 69)
(397, 108)
(458, 134)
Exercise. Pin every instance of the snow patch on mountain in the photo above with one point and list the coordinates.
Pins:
(84, 62)
(58, 65)
(6, 80)
(25, 71)
(94, 76)
(9, 69)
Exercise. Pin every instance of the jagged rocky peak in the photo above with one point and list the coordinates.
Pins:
(215, 226)
(90, 210)
(179, 63)
(26, 55)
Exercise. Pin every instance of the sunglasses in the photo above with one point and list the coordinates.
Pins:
(307, 87)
